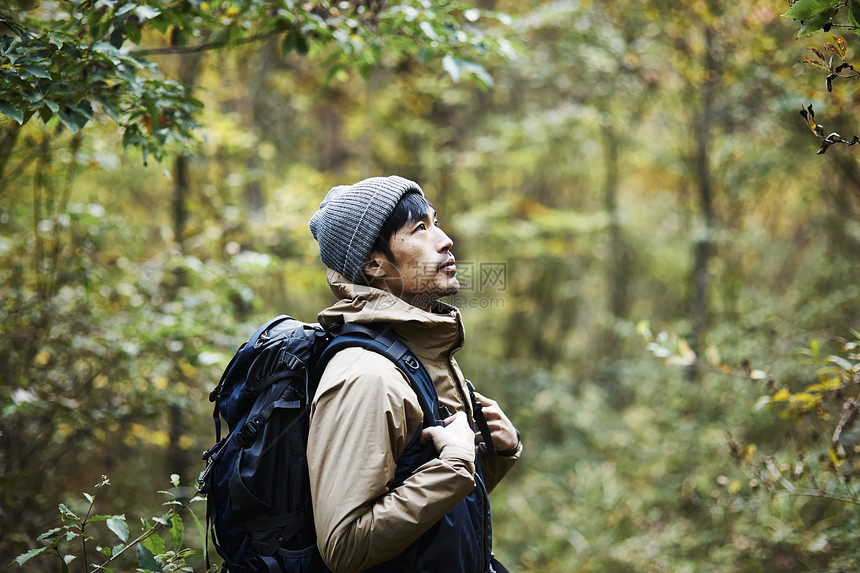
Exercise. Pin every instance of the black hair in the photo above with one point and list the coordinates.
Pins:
(411, 208)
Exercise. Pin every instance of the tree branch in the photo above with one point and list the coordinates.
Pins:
(171, 50)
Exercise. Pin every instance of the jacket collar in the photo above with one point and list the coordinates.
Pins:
(430, 335)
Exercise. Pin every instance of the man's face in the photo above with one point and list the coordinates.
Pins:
(423, 268)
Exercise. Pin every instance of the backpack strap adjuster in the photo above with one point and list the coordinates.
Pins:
(247, 433)
(263, 564)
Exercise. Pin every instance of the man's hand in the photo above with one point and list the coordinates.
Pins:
(456, 433)
(501, 429)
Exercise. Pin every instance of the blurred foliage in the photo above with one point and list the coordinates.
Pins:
(58, 59)
(152, 553)
(572, 188)
(824, 16)
(815, 466)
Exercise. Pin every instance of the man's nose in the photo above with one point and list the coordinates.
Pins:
(445, 242)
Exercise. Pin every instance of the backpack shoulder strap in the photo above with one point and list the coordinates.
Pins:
(240, 361)
(382, 340)
(480, 419)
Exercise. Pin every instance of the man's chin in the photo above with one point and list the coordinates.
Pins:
(452, 288)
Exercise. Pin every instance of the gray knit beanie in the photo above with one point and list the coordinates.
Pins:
(350, 218)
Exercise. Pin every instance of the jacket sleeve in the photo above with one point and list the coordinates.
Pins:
(363, 416)
(496, 466)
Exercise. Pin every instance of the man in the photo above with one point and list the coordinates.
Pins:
(389, 262)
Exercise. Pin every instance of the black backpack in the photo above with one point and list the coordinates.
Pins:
(256, 478)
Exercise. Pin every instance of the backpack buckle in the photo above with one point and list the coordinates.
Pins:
(214, 450)
(263, 564)
(247, 433)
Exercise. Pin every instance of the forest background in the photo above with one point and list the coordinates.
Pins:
(659, 271)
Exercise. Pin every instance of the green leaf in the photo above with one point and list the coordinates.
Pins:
(67, 514)
(854, 14)
(450, 64)
(147, 12)
(455, 68)
(72, 121)
(133, 33)
(146, 559)
(177, 531)
(55, 40)
(428, 30)
(118, 525)
(36, 71)
(841, 362)
(155, 544)
(51, 533)
(478, 71)
(424, 55)
(816, 23)
(12, 112)
(124, 10)
(161, 520)
(806, 9)
(84, 108)
(201, 530)
(294, 41)
(108, 107)
(24, 557)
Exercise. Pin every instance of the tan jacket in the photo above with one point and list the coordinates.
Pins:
(362, 417)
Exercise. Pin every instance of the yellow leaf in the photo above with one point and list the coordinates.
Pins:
(806, 400)
(832, 48)
(841, 45)
(834, 458)
(814, 63)
(818, 53)
(42, 358)
(781, 395)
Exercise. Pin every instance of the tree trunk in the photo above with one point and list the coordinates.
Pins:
(702, 249)
(179, 460)
(617, 271)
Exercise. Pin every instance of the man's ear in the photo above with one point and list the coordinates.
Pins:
(375, 268)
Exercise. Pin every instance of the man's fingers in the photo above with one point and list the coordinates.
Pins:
(426, 435)
(484, 401)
